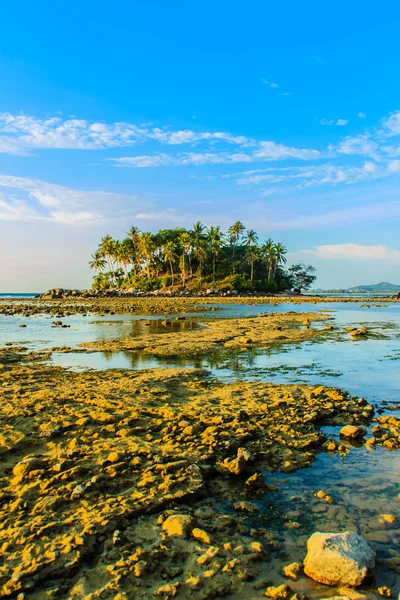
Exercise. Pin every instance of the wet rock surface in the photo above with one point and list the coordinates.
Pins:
(132, 481)
(339, 559)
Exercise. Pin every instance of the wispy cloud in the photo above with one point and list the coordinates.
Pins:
(304, 177)
(273, 85)
(329, 122)
(269, 83)
(362, 115)
(20, 134)
(25, 199)
(353, 251)
(266, 151)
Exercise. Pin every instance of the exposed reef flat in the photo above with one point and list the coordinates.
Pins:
(157, 305)
(94, 465)
(219, 334)
(123, 484)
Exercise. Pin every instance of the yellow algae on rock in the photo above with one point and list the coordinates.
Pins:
(177, 525)
(201, 535)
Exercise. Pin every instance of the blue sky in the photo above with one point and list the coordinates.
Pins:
(156, 114)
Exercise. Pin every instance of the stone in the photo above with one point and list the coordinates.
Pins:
(353, 432)
(201, 535)
(281, 591)
(177, 525)
(236, 465)
(26, 466)
(339, 559)
(293, 570)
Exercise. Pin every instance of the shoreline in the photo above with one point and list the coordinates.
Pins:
(163, 305)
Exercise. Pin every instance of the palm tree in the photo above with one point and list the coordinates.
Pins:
(252, 250)
(252, 255)
(280, 258)
(234, 233)
(98, 262)
(146, 248)
(134, 236)
(107, 250)
(186, 243)
(170, 256)
(199, 237)
(215, 238)
(201, 254)
(268, 254)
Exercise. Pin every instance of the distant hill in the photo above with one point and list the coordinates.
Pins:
(377, 287)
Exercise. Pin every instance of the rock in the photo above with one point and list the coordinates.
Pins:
(236, 465)
(201, 535)
(177, 525)
(282, 591)
(26, 466)
(292, 570)
(339, 558)
(353, 432)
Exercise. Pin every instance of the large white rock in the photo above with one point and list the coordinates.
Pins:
(339, 558)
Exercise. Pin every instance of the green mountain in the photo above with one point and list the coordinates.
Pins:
(377, 287)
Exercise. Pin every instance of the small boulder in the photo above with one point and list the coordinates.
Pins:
(177, 525)
(237, 465)
(24, 467)
(282, 592)
(353, 432)
(339, 559)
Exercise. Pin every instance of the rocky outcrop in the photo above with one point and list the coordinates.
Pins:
(341, 559)
(352, 432)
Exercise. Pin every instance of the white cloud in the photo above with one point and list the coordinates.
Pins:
(362, 115)
(266, 151)
(269, 83)
(361, 144)
(311, 175)
(394, 166)
(355, 251)
(340, 122)
(20, 134)
(25, 199)
(391, 125)
(325, 121)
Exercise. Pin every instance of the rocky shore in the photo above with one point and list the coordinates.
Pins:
(62, 305)
(124, 484)
(121, 485)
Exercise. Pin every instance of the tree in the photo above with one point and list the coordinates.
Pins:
(186, 243)
(215, 239)
(107, 250)
(134, 237)
(170, 256)
(279, 256)
(252, 250)
(268, 257)
(98, 262)
(301, 276)
(146, 248)
(234, 233)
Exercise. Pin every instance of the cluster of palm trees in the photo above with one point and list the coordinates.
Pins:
(180, 257)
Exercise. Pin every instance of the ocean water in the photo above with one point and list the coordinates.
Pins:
(18, 295)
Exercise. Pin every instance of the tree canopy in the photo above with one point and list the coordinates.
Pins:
(196, 259)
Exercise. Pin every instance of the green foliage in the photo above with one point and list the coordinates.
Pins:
(196, 259)
(301, 276)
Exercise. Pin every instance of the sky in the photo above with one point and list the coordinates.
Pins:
(283, 115)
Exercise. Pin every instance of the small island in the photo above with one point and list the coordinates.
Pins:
(197, 259)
